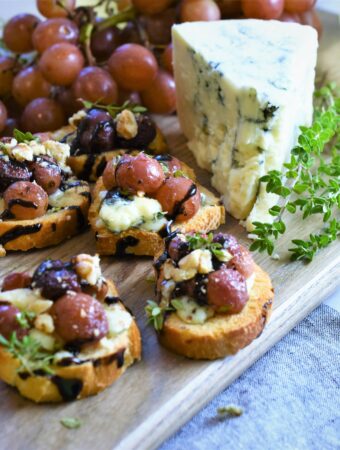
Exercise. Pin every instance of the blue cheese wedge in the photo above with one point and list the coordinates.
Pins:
(243, 89)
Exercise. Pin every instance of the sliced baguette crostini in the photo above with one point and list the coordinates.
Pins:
(64, 333)
(127, 213)
(99, 134)
(41, 203)
(213, 300)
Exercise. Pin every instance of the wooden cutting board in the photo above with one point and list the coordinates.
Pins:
(156, 396)
(159, 394)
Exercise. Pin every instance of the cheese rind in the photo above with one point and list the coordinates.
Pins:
(243, 89)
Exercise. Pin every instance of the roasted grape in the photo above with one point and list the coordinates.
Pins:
(151, 7)
(94, 83)
(298, 6)
(9, 322)
(171, 163)
(146, 133)
(30, 84)
(133, 66)
(178, 248)
(12, 171)
(3, 116)
(242, 260)
(179, 197)
(262, 9)
(199, 10)
(230, 8)
(160, 98)
(52, 8)
(42, 114)
(16, 280)
(61, 63)
(25, 200)
(53, 31)
(104, 42)
(54, 278)
(7, 69)
(79, 318)
(139, 173)
(109, 175)
(47, 174)
(227, 288)
(18, 32)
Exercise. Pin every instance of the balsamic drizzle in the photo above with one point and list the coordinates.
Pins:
(100, 167)
(18, 231)
(81, 221)
(110, 300)
(69, 388)
(124, 243)
(87, 169)
(179, 206)
(21, 202)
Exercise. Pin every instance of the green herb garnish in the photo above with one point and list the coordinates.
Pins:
(156, 313)
(114, 110)
(309, 183)
(197, 241)
(20, 136)
(230, 411)
(24, 318)
(70, 422)
(28, 352)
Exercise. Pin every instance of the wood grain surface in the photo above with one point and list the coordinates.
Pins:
(156, 396)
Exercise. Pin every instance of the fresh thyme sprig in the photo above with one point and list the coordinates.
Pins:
(28, 352)
(155, 314)
(197, 241)
(310, 183)
(114, 110)
(21, 137)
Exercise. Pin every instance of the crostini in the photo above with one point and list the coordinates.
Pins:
(141, 199)
(64, 332)
(212, 299)
(98, 134)
(41, 203)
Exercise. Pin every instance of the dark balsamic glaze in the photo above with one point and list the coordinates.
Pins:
(200, 290)
(87, 169)
(179, 206)
(110, 300)
(124, 243)
(100, 167)
(86, 195)
(18, 231)
(72, 184)
(81, 221)
(107, 360)
(163, 158)
(54, 227)
(7, 215)
(21, 202)
(69, 361)
(69, 388)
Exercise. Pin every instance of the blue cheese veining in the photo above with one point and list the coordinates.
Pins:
(243, 89)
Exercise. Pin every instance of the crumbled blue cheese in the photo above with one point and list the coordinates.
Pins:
(119, 320)
(243, 89)
(125, 213)
(190, 311)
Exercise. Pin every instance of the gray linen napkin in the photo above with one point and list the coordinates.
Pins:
(290, 397)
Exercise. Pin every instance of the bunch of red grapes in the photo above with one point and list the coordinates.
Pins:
(46, 66)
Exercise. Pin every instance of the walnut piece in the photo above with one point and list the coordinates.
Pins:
(127, 126)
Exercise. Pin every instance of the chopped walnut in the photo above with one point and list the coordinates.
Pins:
(44, 323)
(88, 268)
(76, 118)
(199, 259)
(127, 126)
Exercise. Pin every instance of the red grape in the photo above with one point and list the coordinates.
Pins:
(42, 114)
(167, 59)
(104, 42)
(53, 31)
(160, 98)
(289, 17)
(50, 8)
(130, 35)
(30, 84)
(262, 9)
(133, 66)
(158, 27)
(61, 63)
(197, 10)
(18, 32)
(150, 7)
(312, 19)
(7, 68)
(67, 99)
(230, 8)
(132, 97)
(11, 124)
(95, 84)
(3, 116)
(298, 6)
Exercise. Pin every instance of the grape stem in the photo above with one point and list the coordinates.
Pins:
(124, 16)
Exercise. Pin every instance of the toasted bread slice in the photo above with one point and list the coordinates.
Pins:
(91, 166)
(222, 334)
(66, 220)
(91, 374)
(135, 241)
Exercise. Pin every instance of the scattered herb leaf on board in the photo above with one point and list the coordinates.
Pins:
(309, 184)
(230, 411)
(71, 422)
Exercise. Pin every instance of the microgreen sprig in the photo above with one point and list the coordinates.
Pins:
(309, 183)
(29, 353)
(114, 110)
(198, 241)
(155, 314)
